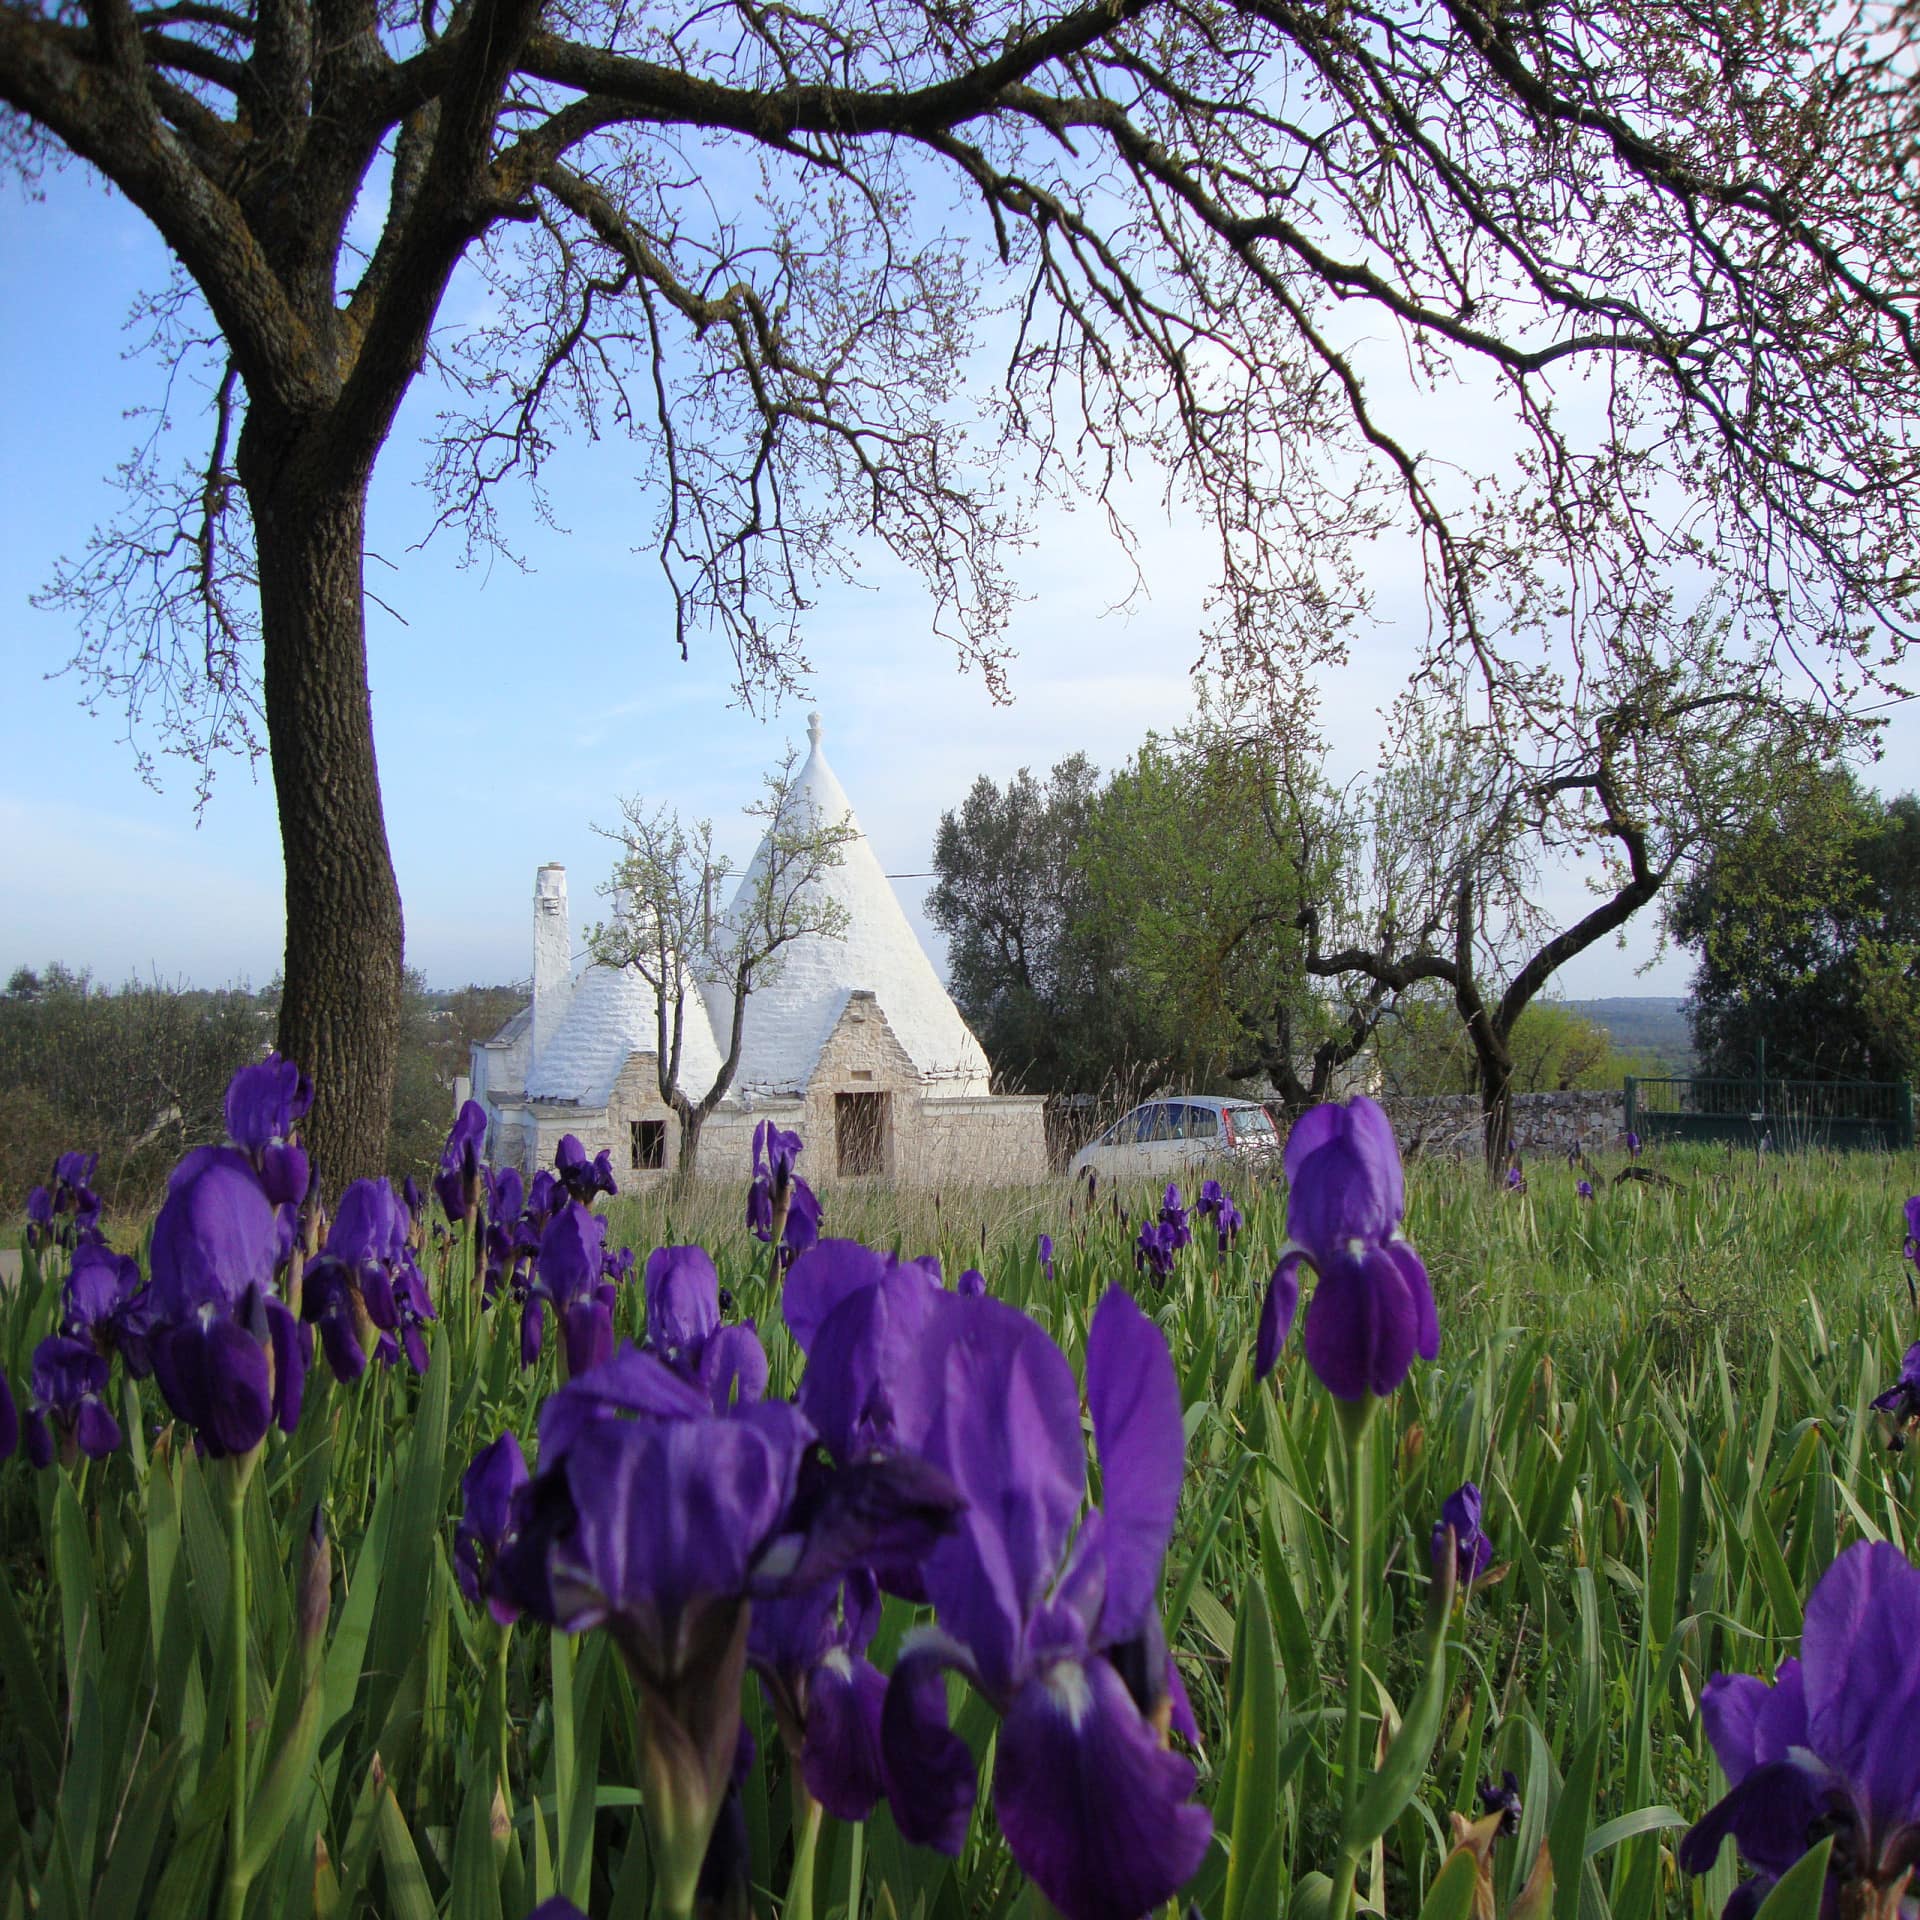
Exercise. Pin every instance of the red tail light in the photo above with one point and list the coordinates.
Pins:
(1226, 1125)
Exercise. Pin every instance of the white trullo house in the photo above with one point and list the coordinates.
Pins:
(854, 1042)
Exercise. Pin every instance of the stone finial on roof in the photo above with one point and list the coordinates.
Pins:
(814, 731)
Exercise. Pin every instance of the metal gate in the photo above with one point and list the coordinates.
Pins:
(1783, 1114)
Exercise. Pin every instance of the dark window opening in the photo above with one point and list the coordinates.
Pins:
(860, 1132)
(648, 1139)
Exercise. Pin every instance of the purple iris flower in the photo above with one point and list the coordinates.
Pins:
(265, 1105)
(1173, 1216)
(1901, 1401)
(67, 1211)
(1372, 1310)
(1458, 1528)
(1504, 1800)
(780, 1205)
(513, 1235)
(1516, 1179)
(1633, 1144)
(809, 1650)
(1228, 1223)
(971, 1284)
(9, 1420)
(1584, 1189)
(568, 1276)
(65, 1389)
(661, 1520)
(1155, 1248)
(685, 1331)
(230, 1358)
(1046, 1255)
(581, 1177)
(101, 1304)
(545, 1197)
(1911, 1245)
(487, 1489)
(1053, 1616)
(364, 1288)
(835, 1271)
(1216, 1204)
(457, 1184)
(1829, 1747)
(863, 1320)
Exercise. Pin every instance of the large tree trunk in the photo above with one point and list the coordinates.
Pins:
(692, 1119)
(1496, 1108)
(340, 1013)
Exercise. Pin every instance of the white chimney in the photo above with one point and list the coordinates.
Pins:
(552, 954)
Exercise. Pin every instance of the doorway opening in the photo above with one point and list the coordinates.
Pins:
(860, 1131)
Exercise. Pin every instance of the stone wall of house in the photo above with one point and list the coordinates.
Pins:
(862, 1055)
(636, 1096)
(1448, 1126)
(726, 1141)
(981, 1140)
(926, 1139)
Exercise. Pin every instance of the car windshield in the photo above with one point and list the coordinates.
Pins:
(1252, 1120)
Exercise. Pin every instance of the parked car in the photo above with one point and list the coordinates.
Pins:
(1157, 1139)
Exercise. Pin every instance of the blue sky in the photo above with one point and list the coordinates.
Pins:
(513, 710)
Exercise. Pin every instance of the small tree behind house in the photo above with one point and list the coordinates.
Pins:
(667, 926)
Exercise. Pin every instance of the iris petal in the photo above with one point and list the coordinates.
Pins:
(1863, 1682)
(215, 1376)
(1769, 1814)
(1010, 1438)
(931, 1783)
(683, 1299)
(1276, 1314)
(1135, 1402)
(841, 1755)
(1362, 1325)
(588, 1328)
(97, 1431)
(733, 1367)
(1426, 1337)
(828, 1273)
(1096, 1811)
(1731, 1705)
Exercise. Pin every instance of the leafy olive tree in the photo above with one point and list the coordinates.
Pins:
(1806, 934)
(1633, 780)
(1030, 964)
(1202, 855)
(879, 272)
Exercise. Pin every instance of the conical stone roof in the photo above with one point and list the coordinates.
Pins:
(790, 1019)
(611, 1015)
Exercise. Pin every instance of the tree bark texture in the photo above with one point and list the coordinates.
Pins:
(340, 1012)
(693, 1119)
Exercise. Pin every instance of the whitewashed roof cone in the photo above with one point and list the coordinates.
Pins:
(790, 1019)
(610, 1016)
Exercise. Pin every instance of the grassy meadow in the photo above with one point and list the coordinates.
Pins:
(1663, 1394)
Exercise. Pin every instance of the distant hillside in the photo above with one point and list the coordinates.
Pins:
(1648, 1023)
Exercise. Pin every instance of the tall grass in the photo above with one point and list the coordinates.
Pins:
(1662, 1392)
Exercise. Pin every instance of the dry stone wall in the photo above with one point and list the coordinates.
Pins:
(1448, 1126)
